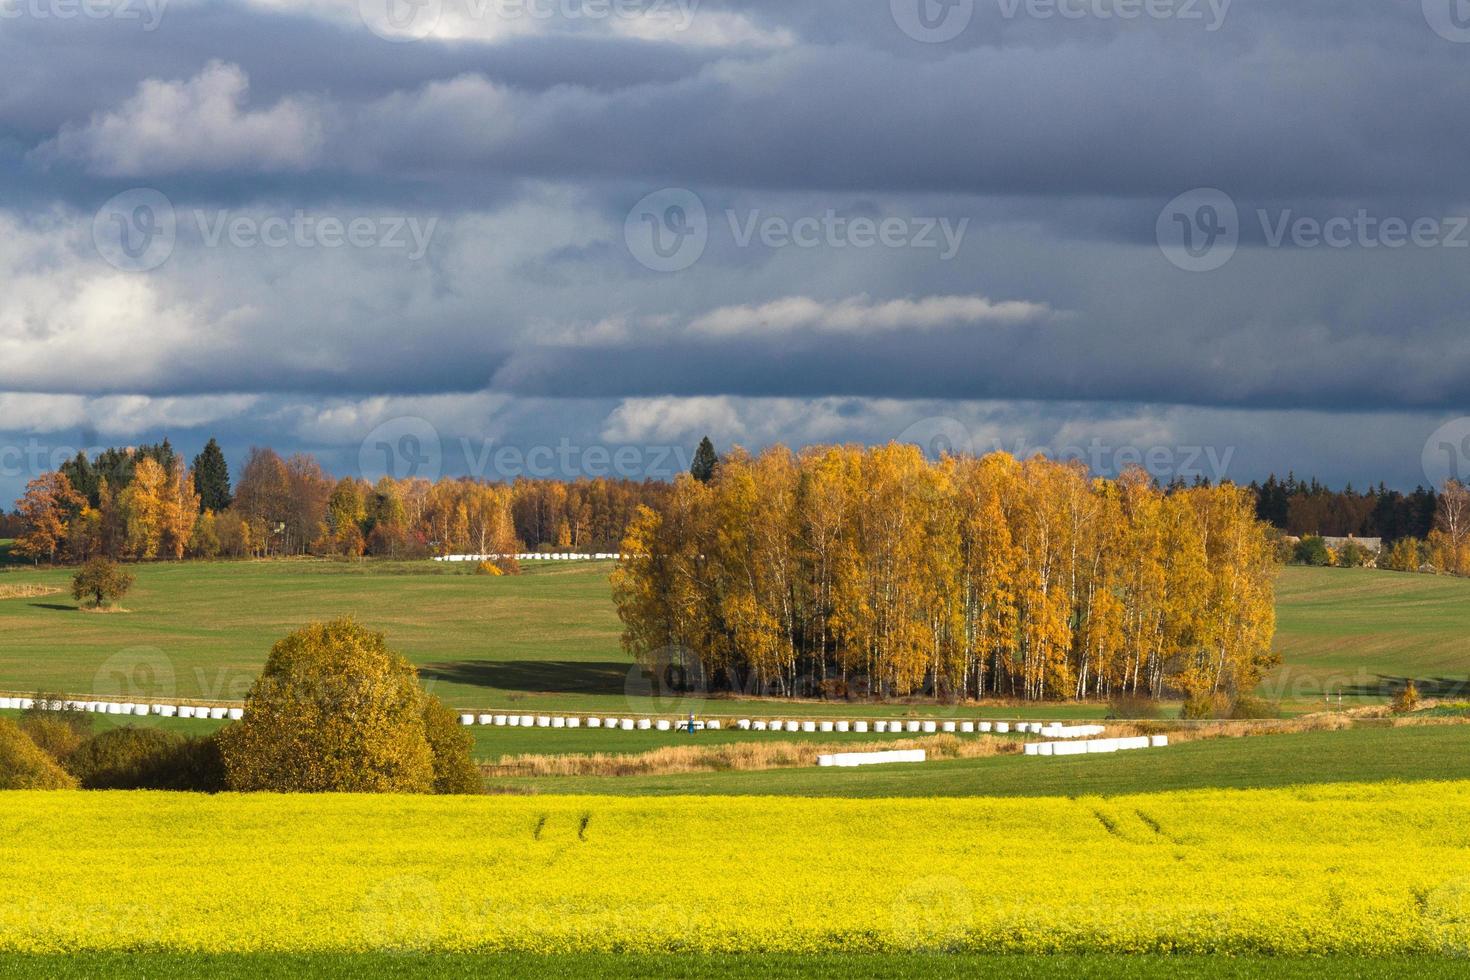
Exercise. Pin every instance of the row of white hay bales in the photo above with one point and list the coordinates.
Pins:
(1094, 746)
(849, 759)
(922, 727)
(897, 726)
(594, 721)
(131, 708)
(536, 556)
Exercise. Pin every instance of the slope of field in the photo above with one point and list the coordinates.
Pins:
(548, 640)
(1331, 869)
(1361, 633)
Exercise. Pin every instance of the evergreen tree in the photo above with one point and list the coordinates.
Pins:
(212, 478)
(705, 461)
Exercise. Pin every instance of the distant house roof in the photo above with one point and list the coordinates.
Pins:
(1372, 544)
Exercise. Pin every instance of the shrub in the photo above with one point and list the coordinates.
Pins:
(334, 711)
(450, 744)
(1246, 708)
(1406, 700)
(1198, 707)
(24, 765)
(1132, 707)
(53, 734)
(100, 582)
(1312, 550)
(488, 568)
(148, 758)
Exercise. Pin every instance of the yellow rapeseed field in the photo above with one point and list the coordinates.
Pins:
(1359, 869)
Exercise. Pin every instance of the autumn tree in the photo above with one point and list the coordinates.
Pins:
(47, 508)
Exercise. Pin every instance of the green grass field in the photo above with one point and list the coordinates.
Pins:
(1364, 755)
(548, 640)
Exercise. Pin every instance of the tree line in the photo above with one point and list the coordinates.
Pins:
(144, 503)
(848, 571)
(1302, 508)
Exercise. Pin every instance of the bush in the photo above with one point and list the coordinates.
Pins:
(1246, 708)
(53, 734)
(1199, 707)
(1132, 707)
(100, 582)
(450, 743)
(1312, 550)
(334, 711)
(148, 758)
(24, 765)
(488, 568)
(1406, 700)
(1404, 556)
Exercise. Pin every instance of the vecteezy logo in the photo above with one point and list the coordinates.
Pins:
(1447, 453)
(1199, 230)
(1450, 19)
(403, 448)
(939, 436)
(400, 20)
(135, 230)
(667, 230)
(932, 21)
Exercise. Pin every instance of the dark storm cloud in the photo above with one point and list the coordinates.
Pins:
(1058, 139)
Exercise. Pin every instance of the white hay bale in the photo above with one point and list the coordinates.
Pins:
(610, 723)
(758, 725)
(967, 727)
(514, 721)
(860, 727)
(792, 726)
(574, 722)
(466, 719)
(487, 719)
(1046, 748)
(113, 708)
(218, 714)
(808, 726)
(1002, 727)
(827, 726)
(186, 711)
(543, 721)
(743, 724)
(558, 722)
(880, 726)
(1032, 748)
(140, 709)
(1097, 745)
(930, 728)
(527, 721)
(985, 726)
(843, 726)
(626, 725)
(949, 726)
(826, 760)
(846, 759)
(499, 720)
(7, 704)
(25, 704)
(594, 722)
(663, 725)
(644, 725)
(235, 714)
(1158, 741)
(713, 725)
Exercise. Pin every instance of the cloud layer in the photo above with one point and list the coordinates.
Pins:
(537, 221)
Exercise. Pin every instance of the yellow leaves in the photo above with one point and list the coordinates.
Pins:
(1371, 870)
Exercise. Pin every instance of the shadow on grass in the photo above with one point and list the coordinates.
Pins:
(1429, 687)
(542, 676)
(55, 605)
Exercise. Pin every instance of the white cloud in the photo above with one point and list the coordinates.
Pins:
(860, 315)
(116, 415)
(199, 124)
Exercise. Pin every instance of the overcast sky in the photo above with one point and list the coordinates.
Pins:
(564, 238)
